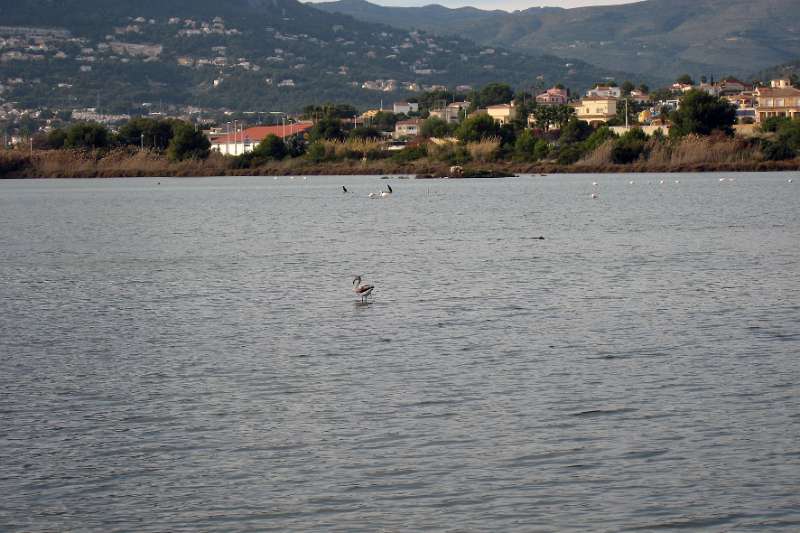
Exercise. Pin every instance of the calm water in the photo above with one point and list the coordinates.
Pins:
(189, 355)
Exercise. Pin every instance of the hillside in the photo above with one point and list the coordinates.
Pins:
(239, 54)
(789, 69)
(652, 38)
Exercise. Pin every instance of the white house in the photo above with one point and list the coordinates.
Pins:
(605, 91)
(240, 141)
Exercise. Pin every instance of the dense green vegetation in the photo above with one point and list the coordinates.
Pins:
(179, 140)
(702, 113)
(784, 143)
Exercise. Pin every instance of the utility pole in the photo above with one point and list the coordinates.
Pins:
(626, 114)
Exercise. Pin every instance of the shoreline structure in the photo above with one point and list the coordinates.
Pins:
(50, 164)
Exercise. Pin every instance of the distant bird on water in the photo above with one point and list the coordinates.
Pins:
(362, 290)
(390, 188)
(344, 189)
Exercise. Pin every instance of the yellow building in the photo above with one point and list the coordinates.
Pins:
(502, 113)
(778, 100)
(596, 110)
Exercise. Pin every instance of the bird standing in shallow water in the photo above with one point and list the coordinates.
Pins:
(362, 290)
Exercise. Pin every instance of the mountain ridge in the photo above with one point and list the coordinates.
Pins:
(652, 37)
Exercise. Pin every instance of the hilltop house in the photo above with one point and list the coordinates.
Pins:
(244, 141)
(404, 108)
(732, 86)
(502, 113)
(605, 91)
(681, 87)
(552, 96)
(778, 100)
(596, 110)
(640, 97)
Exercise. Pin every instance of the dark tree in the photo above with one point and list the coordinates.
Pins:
(327, 129)
(492, 94)
(55, 139)
(435, 127)
(629, 147)
(87, 136)
(364, 133)
(272, 147)
(383, 121)
(575, 131)
(477, 128)
(187, 143)
(147, 132)
(627, 87)
(702, 113)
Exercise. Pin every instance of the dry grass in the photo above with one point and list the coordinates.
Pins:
(484, 151)
(600, 156)
(694, 149)
(691, 154)
(121, 162)
(352, 149)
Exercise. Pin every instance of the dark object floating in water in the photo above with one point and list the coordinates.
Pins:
(344, 189)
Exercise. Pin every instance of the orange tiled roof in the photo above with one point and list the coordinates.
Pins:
(258, 133)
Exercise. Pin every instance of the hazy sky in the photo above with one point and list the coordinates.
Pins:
(508, 5)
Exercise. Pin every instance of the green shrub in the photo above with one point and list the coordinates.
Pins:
(629, 147)
(411, 153)
(187, 143)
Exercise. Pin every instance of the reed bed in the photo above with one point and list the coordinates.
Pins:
(691, 154)
(353, 149)
(600, 156)
(485, 150)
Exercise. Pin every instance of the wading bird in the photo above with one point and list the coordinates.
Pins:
(362, 290)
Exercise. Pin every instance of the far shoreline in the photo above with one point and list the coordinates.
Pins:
(42, 164)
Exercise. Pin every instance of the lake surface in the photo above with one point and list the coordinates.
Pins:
(188, 354)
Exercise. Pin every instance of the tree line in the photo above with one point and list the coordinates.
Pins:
(179, 140)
